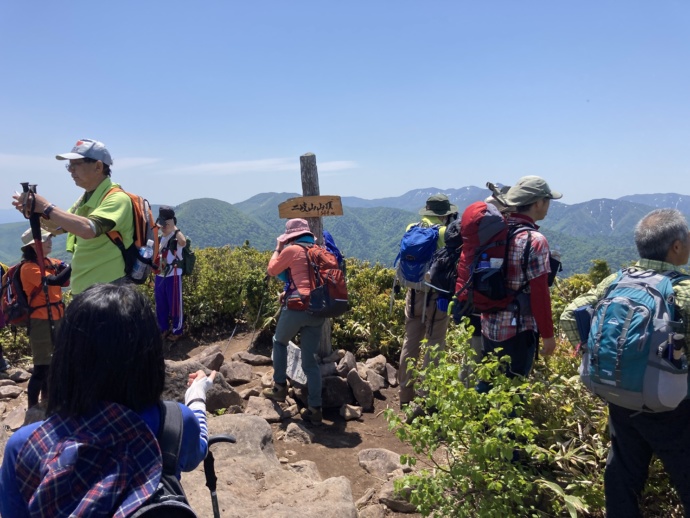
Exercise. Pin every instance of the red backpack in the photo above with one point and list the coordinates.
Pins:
(328, 296)
(481, 282)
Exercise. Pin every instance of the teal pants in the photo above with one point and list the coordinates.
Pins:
(309, 327)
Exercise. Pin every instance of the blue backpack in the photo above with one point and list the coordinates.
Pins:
(417, 248)
(629, 356)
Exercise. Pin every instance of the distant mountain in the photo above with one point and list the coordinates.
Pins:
(371, 229)
(10, 216)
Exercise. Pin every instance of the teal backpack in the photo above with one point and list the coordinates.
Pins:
(188, 256)
(629, 357)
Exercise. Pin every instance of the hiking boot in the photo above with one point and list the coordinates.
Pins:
(312, 415)
(277, 392)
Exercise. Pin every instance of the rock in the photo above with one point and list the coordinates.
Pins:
(373, 511)
(328, 369)
(391, 375)
(297, 432)
(376, 381)
(20, 376)
(236, 373)
(377, 364)
(251, 481)
(251, 358)
(290, 412)
(245, 394)
(366, 497)
(306, 468)
(264, 408)
(7, 383)
(335, 392)
(35, 413)
(350, 412)
(15, 419)
(397, 503)
(220, 395)
(334, 357)
(378, 461)
(211, 357)
(10, 392)
(346, 364)
(361, 389)
(362, 370)
(267, 379)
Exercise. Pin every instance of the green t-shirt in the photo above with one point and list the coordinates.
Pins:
(98, 259)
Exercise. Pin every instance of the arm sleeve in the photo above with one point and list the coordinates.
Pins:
(540, 302)
(568, 323)
(281, 263)
(194, 438)
(60, 279)
(11, 501)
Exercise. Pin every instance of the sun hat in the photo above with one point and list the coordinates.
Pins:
(28, 238)
(87, 148)
(165, 213)
(438, 205)
(295, 228)
(528, 190)
(496, 198)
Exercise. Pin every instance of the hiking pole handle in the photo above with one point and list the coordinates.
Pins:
(25, 186)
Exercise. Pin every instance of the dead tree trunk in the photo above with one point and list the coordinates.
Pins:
(310, 187)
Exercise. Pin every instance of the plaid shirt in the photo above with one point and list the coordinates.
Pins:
(104, 464)
(500, 326)
(681, 289)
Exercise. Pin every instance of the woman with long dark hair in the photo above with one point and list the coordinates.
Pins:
(97, 454)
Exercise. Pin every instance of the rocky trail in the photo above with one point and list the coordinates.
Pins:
(279, 466)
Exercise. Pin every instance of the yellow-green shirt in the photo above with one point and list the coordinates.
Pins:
(99, 259)
(430, 221)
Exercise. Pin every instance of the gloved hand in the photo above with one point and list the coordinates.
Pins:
(199, 383)
(442, 304)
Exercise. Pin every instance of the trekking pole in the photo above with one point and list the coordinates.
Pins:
(210, 469)
(35, 224)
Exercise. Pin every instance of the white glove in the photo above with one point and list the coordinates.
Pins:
(195, 397)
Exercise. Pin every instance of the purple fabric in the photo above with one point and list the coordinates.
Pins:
(168, 295)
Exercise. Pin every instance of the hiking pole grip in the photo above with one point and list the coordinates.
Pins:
(210, 469)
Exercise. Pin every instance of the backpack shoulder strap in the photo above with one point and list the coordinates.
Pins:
(170, 435)
(172, 242)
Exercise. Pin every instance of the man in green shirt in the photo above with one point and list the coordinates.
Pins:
(663, 242)
(96, 259)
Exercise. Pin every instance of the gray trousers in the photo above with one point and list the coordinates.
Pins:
(433, 327)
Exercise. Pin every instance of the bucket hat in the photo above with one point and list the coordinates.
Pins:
(165, 213)
(438, 205)
(28, 238)
(87, 148)
(528, 190)
(295, 228)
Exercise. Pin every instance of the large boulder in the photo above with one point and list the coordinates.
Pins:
(220, 395)
(252, 482)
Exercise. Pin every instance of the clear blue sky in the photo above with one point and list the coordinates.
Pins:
(219, 99)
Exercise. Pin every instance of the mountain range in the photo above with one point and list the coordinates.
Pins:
(371, 229)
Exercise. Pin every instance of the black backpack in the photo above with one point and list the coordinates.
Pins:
(443, 272)
(169, 500)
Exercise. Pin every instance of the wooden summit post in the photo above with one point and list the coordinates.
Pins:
(312, 207)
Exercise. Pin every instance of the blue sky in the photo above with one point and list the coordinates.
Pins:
(219, 99)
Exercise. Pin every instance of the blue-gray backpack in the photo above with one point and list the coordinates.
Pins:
(629, 357)
(414, 259)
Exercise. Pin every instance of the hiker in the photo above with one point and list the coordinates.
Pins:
(4, 364)
(662, 238)
(426, 314)
(168, 284)
(289, 263)
(517, 331)
(40, 323)
(106, 381)
(95, 257)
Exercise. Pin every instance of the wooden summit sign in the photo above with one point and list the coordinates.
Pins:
(311, 207)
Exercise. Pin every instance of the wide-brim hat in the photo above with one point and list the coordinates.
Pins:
(294, 228)
(528, 190)
(28, 238)
(438, 205)
(87, 148)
